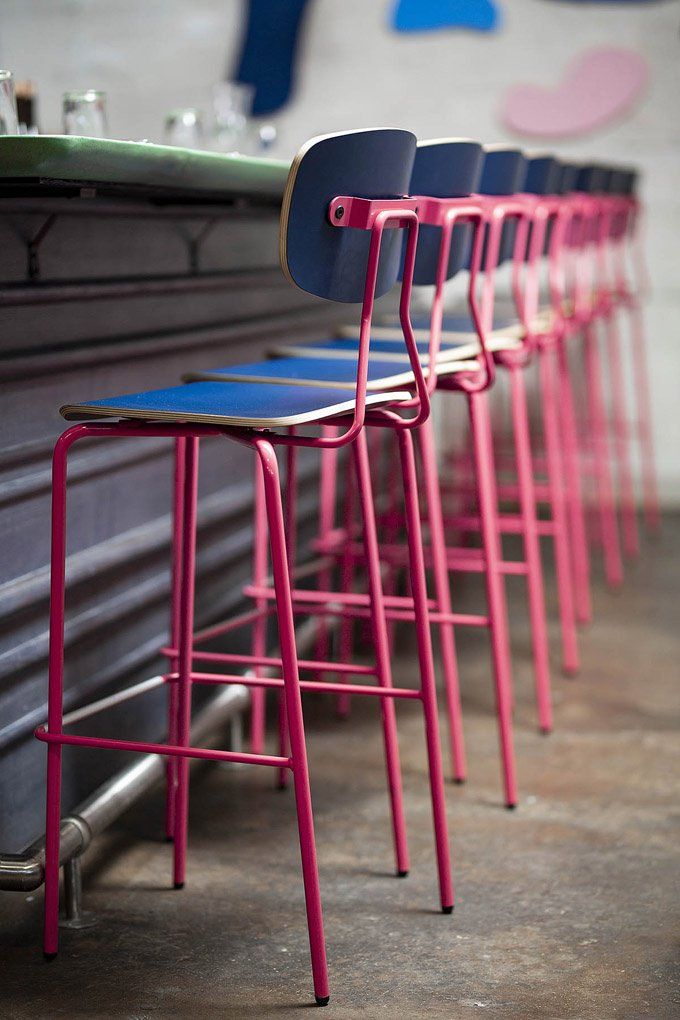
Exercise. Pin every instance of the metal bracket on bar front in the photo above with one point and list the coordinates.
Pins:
(33, 245)
(195, 242)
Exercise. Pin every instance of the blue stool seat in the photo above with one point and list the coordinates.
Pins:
(457, 328)
(451, 353)
(242, 404)
(338, 373)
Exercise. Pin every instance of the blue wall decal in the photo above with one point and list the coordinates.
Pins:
(269, 50)
(430, 15)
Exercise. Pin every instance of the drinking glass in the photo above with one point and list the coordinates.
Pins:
(9, 122)
(232, 106)
(184, 128)
(84, 113)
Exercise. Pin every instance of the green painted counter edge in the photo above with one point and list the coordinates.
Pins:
(105, 161)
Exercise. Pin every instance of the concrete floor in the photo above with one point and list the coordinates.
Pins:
(567, 908)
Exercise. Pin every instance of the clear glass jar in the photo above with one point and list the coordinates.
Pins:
(84, 113)
(9, 121)
(184, 128)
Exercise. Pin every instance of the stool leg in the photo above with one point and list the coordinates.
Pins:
(55, 699)
(282, 725)
(609, 529)
(532, 551)
(621, 430)
(184, 658)
(426, 662)
(495, 584)
(328, 488)
(443, 595)
(258, 696)
(645, 431)
(575, 511)
(382, 656)
(391, 530)
(290, 524)
(570, 657)
(347, 573)
(293, 703)
(176, 587)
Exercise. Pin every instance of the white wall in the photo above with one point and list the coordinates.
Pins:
(153, 56)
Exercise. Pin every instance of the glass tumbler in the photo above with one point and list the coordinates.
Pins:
(232, 107)
(184, 128)
(9, 122)
(84, 113)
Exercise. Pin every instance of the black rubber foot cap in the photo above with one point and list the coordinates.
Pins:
(402, 874)
(323, 1000)
(447, 910)
(545, 732)
(169, 839)
(459, 780)
(510, 807)
(179, 885)
(48, 957)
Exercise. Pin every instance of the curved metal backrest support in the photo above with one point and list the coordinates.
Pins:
(447, 216)
(444, 168)
(503, 174)
(377, 218)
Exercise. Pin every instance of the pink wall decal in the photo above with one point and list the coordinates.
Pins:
(598, 87)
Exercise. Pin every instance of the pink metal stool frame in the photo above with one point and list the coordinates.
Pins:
(445, 213)
(627, 233)
(585, 240)
(374, 216)
(620, 219)
(528, 212)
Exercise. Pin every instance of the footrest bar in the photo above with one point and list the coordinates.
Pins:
(319, 686)
(170, 750)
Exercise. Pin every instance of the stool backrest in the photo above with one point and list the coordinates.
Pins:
(503, 173)
(316, 256)
(544, 175)
(592, 178)
(444, 168)
(568, 178)
(504, 170)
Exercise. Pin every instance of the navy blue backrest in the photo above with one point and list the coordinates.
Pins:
(444, 168)
(328, 261)
(630, 182)
(504, 173)
(591, 178)
(544, 175)
(622, 180)
(504, 170)
(569, 178)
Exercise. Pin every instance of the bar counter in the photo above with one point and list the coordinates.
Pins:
(122, 265)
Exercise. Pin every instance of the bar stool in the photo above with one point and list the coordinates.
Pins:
(630, 286)
(537, 177)
(354, 180)
(503, 175)
(435, 181)
(586, 251)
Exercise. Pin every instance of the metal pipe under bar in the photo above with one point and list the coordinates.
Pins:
(24, 872)
(112, 700)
